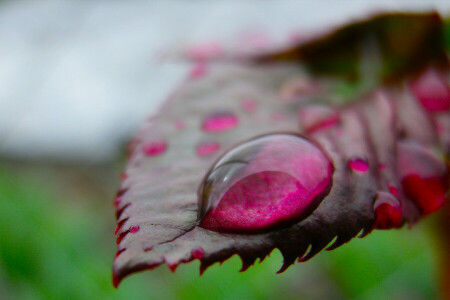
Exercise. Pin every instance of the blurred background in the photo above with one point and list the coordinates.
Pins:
(76, 80)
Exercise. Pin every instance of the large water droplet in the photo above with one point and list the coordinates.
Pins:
(269, 181)
(220, 121)
(424, 176)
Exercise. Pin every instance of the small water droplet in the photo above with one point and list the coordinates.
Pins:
(198, 70)
(432, 90)
(117, 201)
(358, 165)
(388, 211)
(207, 148)
(264, 183)
(317, 117)
(220, 121)
(249, 105)
(198, 253)
(393, 190)
(154, 148)
(424, 176)
(205, 51)
(180, 125)
(134, 228)
(278, 116)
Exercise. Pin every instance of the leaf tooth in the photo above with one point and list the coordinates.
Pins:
(247, 261)
(120, 211)
(290, 254)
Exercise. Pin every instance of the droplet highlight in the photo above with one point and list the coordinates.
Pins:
(270, 181)
(134, 228)
(220, 121)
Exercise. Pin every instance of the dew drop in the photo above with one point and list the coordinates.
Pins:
(424, 176)
(180, 125)
(358, 165)
(264, 183)
(154, 148)
(220, 121)
(198, 253)
(198, 70)
(317, 117)
(249, 105)
(134, 228)
(393, 190)
(388, 211)
(205, 51)
(207, 148)
(432, 91)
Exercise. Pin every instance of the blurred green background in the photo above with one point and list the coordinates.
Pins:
(57, 242)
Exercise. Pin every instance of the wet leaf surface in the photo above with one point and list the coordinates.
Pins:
(384, 150)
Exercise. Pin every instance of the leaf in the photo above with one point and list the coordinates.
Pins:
(379, 148)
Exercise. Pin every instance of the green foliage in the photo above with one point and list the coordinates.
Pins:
(56, 243)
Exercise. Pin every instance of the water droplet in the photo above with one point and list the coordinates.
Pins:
(393, 190)
(249, 105)
(198, 253)
(205, 51)
(117, 201)
(134, 228)
(180, 125)
(220, 121)
(207, 148)
(424, 176)
(264, 183)
(358, 165)
(382, 166)
(278, 116)
(154, 148)
(388, 211)
(317, 117)
(432, 90)
(198, 70)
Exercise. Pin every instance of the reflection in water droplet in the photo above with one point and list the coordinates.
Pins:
(388, 211)
(269, 181)
(424, 176)
(219, 122)
(432, 90)
(154, 148)
(358, 165)
(207, 148)
(134, 228)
